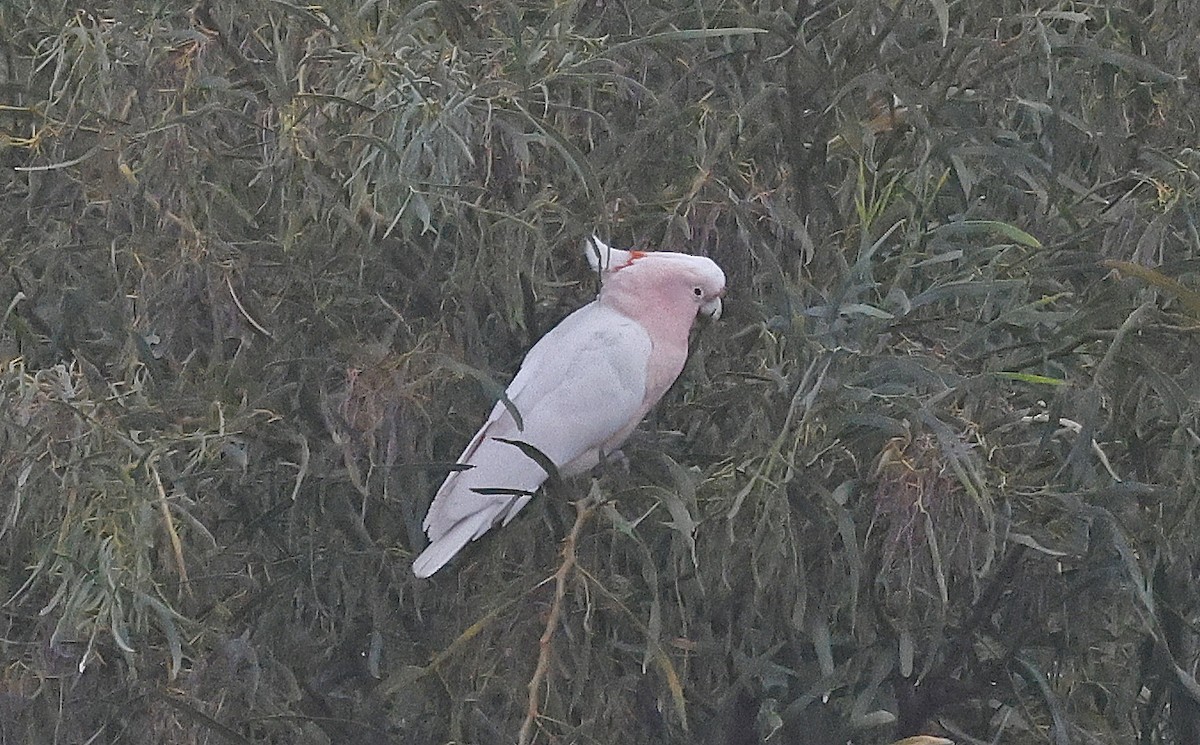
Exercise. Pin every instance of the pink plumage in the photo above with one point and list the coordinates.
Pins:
(581, 390)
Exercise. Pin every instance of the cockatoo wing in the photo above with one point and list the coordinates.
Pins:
(581, 384)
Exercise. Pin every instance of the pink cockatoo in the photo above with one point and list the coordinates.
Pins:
(581, 390)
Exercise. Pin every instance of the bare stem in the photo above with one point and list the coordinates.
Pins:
(583, 510)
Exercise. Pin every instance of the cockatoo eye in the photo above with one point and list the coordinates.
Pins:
(698, 292)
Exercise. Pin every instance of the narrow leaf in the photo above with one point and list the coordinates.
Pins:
(1190, 298)
(943, 16)
(489, 384)
(689, 34)
(537, 456)
(675, 686)
(1136, 67)
(987, 227)
(1030, 378)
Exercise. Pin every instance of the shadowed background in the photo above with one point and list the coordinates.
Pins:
(264, 267)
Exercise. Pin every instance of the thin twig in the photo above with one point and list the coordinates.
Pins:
(245, 313)
(172, 534)
(583, 510)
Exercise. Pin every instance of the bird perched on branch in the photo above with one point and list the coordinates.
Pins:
(581, 390)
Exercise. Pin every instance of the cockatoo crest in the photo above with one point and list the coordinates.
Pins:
(605, 258)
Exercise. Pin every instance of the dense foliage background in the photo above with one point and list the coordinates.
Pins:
(264, 265)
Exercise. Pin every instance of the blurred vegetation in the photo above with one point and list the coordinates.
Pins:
(934, 472)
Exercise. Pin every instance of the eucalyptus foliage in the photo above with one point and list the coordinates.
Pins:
(266, 264)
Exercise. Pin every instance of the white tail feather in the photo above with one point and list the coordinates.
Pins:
(463, 509)
(442, 550)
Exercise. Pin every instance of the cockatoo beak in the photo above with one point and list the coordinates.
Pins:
(712, 308)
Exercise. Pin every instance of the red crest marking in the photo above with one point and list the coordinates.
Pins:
(633, 256)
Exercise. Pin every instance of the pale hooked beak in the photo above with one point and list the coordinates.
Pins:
(712, 308)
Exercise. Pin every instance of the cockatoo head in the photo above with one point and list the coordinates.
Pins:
(648, 282)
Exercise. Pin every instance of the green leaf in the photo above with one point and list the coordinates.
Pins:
(1030, 378)
(535, 455)
(690, 34)
(489, 384)
(987, 227)
(1137, 67)
(1190, 298)
(575, 159)
(500, 491)
(677, 501)
(862, 309)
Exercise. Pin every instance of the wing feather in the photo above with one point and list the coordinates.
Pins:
(579, 386)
